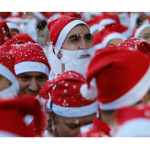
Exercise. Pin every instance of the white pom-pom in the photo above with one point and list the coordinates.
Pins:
(90, 93)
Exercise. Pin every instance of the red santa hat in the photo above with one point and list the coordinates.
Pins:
(138, 44)
(39, 15)
(93, 25)
(7, 63)
(29, 57)
(4, 15)
(65, 98)
(118, 27)
(101, 39)
(106, 18)
(4, 30)
(133, 122)
(24, 37)
(15, 17)
(13, 114)
(59, 29)
(122, 77)
(137, 31)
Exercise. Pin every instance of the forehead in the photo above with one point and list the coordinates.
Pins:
(33, 74)
(79, 29)
(146, 30)
(80, 120)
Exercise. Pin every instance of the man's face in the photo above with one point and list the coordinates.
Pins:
(31, 82)
(78, 38)
(70, 127)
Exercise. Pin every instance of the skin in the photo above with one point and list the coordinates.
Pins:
(78, 38)
(70, 127)
(4, 83)
(114, 42)
(42, 37)
(145, 34)
(31, 82)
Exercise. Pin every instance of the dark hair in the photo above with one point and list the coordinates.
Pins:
(41, 25)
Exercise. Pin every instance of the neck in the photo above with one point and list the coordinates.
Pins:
(108, 117)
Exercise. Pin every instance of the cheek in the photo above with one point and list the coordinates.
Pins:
(3, 85)
(23, 84)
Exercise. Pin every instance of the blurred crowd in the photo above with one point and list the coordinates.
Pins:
(74, 74)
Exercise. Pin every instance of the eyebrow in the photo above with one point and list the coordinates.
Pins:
(78, 35)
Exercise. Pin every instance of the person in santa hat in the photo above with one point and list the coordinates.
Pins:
(13, 117)
(136, 44)
(13, 27)
(71, 42)
(68, 110)
(29, 23)
(132, 121)
(111, 34)
(31, 67)
(117, 77)
(142, 32)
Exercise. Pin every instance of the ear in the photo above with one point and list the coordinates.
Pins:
(53, 117)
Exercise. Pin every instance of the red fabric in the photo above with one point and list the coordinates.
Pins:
(29, 52)
(4, 30)
(117, 70)
(12, 112)
(99, 129)
(73, 14)
(4, 15)
(138, 44)
(24, 37)
(130, 113)
(67, 91)
(55, 27)
(8, 61)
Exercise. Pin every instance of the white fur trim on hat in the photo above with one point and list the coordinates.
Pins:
(64, 32)
(111, 37)
(105, 21)
(75, 111)
(134, 128)
(7, 74)
(16, 19)
(93, 28)
(31, 66)
(7, 134)
(98, 46)
(39, 15)
(132, 96)
(13, 25)
(139, 30)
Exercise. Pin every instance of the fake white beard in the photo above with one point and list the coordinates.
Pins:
(53, 61)
(10, 92)
(72, 60)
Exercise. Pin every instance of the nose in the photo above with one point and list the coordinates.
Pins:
(34, 86)
(83, 45)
